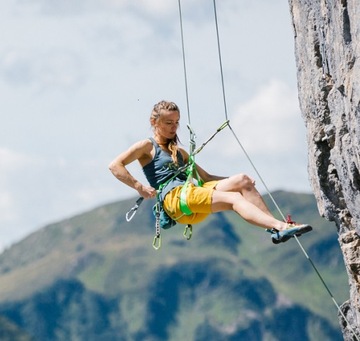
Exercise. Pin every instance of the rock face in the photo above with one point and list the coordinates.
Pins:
(327, 49)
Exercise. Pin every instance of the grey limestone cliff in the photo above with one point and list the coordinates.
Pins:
(327, 50)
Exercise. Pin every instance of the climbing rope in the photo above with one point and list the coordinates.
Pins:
(325, 69)
(220, 61)
(184, 62)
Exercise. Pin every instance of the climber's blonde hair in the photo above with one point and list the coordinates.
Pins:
(171, 144)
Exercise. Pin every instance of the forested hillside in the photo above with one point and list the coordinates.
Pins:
(96, 276)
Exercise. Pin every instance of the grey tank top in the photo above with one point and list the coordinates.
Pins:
(161, 168)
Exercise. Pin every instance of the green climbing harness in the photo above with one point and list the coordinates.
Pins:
(183, 194)
(192, 173)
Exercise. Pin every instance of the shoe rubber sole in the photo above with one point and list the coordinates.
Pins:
(283, 236)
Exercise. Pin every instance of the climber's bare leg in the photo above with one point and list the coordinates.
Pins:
(223, 201)
(246, 187)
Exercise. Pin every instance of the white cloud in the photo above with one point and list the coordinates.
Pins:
(270, 121)
(271, 131)
(7, 207)
(158, 7)
(42, 69)
(79, 7)
(36, 190)
(12, 166)
(10, 160)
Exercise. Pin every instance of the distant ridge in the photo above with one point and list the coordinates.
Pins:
(95, 276)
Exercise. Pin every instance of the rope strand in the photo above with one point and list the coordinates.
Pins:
(184, 62)
(220, 61)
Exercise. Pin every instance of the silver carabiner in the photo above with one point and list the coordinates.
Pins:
(130, 214)
(188, 232)
(157, 242)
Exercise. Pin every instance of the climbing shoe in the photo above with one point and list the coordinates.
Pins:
(292, 230)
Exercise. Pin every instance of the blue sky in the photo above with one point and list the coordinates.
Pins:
(78, 80)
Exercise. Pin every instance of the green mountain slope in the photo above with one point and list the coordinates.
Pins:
(97, 277)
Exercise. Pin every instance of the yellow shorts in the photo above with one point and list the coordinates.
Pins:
(198, 200)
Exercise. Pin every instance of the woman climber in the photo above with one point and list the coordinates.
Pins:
(160, 157)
